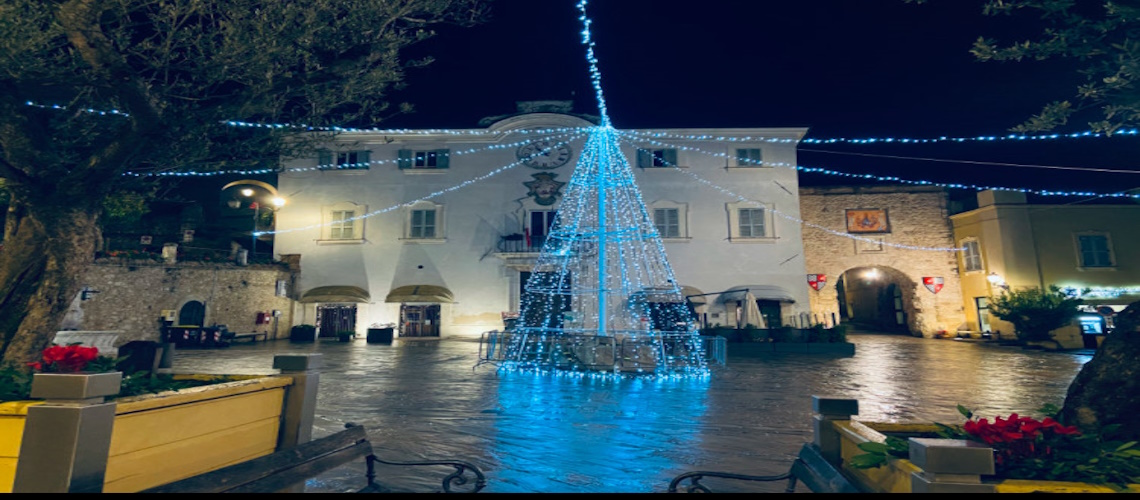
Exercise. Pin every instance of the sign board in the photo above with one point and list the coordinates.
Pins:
(145, 240)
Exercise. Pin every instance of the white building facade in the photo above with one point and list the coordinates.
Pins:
(437, 232)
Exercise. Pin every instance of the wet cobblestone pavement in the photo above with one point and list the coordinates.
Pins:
(426, 400)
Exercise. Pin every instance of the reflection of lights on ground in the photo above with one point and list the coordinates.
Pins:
(565, 434)
(683, 373)
(555, 434)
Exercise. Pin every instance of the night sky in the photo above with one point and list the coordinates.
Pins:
(842, 68)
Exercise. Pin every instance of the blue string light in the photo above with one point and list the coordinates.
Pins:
(436, 194)
(602, 297)
(793, 218)
(595, 73)
(879, 178)
(346, 166)
(335, 128)
(894, 140)
(1100, 292)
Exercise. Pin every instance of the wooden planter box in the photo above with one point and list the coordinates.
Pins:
(904, 476)
(161, 438)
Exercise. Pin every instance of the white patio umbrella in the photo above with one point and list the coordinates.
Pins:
(752, 314)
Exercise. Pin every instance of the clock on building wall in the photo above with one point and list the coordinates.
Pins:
(544, 154)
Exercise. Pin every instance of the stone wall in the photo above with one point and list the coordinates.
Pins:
(917, 217)
(130, 296)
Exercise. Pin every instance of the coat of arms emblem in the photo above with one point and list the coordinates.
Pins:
(934, 284)
(817, 281)
(544, 188)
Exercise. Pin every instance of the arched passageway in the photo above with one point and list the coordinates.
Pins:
(877, 298)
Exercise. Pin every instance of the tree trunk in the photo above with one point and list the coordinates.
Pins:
(41, 270)
(1107, 389)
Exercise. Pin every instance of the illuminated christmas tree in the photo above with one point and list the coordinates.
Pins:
(602, 296)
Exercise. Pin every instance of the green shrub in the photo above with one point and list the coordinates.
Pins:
(1034, 312)
(820, 333)
(839, 333)
(758, 335)
(784, 334)
(15, 383)
(303, 333)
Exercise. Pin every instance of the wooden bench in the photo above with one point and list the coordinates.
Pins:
(810, 468)
(252, 336)
(287, 468)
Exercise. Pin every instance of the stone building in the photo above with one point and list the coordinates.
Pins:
(438, 231)
(868, 281)
(134, 297)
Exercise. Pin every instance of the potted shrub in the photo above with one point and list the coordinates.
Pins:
(303, 333)
(1028, 454)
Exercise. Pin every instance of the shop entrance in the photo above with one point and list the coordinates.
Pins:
(333, 318)
(419, 320)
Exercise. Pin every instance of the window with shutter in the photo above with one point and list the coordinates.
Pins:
(428, 159)
(353, 160)
(667, 221)
(972, 255)
(404, 159)
(751, 222)
(657, 158)
(422, 224)
(749, 157)
(1094, 250)
(342, 225)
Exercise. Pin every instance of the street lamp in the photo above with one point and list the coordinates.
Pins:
(248, 193)
(996, 280)
(277, 203)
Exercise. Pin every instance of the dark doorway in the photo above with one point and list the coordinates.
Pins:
(770, 310)
(333, 318)
(841, 292)
(419, 320)
(539, 227)
(983, 307)
(192, 313)
(897, 311)
(874, 298)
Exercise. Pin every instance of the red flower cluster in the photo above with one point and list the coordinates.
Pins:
(1018, 438)
(65, 359)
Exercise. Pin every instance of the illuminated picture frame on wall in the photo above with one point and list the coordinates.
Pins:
(868, 220)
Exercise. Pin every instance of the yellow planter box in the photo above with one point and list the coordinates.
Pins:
(895, 477)
(165, 437)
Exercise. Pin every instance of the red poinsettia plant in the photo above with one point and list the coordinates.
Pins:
(72, 358)
(1028, 448)
(1019, 438)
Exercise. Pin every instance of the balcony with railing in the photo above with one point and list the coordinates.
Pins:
(519, 251)
(520, 244)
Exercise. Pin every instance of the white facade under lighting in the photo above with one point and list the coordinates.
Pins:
(403, 233)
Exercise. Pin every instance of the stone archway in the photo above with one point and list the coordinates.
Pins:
(878, 298)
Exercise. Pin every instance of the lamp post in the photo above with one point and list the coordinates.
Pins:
(996, 280)
(277, 203)
(248, 193)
